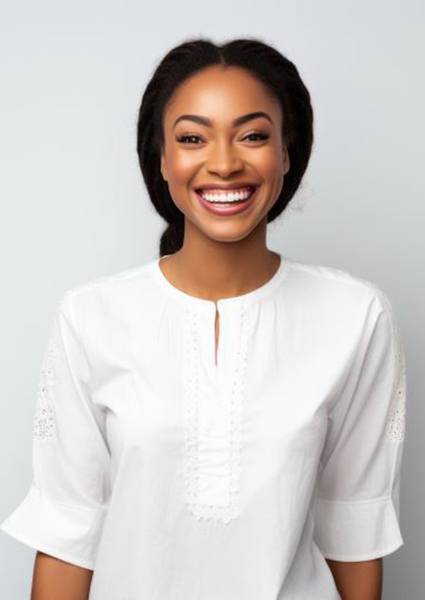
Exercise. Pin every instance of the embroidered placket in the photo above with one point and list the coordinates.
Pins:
(212, 454)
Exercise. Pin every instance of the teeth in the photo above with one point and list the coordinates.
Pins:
(233, 196)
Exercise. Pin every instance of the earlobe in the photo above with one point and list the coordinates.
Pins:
(286, 161)
(163, 168)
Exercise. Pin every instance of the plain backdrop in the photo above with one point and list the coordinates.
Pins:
(74, 206)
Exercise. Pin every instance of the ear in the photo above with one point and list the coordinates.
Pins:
(163, 166)
(286, 160)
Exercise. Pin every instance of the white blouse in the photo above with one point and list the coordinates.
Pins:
(174, 477)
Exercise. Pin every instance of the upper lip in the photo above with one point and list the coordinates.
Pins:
(226, 186)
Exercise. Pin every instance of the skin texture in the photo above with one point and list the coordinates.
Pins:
(358, 580)
(222, 256)
(54, 579)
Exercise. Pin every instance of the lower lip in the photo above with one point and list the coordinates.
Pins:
(222, 209)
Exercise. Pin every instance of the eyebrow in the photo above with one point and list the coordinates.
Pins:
(238, 121)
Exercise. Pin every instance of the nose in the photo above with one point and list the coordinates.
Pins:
(224, 160)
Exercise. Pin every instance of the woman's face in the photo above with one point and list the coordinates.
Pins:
(210, 148)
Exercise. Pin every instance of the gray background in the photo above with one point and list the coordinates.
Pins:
(74, 207)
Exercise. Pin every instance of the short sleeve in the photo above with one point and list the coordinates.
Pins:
(63, 511)
(357, 500)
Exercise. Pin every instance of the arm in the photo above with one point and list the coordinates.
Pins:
(63, 512)
(356, 508)
(360, 580)
(54, 578)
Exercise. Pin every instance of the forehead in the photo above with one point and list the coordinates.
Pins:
(222, 94)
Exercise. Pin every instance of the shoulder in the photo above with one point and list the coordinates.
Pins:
(108, 293)
(337, 288)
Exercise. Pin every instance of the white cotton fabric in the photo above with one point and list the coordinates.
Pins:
(175, 478)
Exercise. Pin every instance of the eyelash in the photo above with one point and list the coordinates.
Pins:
(263, 136)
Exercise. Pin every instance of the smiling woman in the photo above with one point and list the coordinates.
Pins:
(223, 422)
(217, 118)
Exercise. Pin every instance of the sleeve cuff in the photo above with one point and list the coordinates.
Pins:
(70, 533)
(356, 531)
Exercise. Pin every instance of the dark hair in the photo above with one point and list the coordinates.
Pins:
(264, 62)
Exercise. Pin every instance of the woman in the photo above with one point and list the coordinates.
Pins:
(222, 422)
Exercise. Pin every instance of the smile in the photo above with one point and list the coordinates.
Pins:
(227, 197)
(227, 202)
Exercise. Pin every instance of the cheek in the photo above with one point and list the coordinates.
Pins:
(270, 163)
(182, 168)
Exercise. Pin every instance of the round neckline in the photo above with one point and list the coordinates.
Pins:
(246, 298)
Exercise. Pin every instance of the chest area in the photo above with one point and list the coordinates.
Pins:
(211, 387)
(253, 353)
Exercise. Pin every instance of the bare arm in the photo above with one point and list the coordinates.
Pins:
(358, 580)
(53, 578)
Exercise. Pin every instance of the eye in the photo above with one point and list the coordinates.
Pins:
(261, 136)
(195, 139)
(190, 137)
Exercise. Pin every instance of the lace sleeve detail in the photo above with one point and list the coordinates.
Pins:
(44, 416)
(396, 421)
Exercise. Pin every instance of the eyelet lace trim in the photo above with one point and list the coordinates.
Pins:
(224, 505)
(44, 416)
(396, 419)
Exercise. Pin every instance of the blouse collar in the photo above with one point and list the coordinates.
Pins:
(196, 302)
